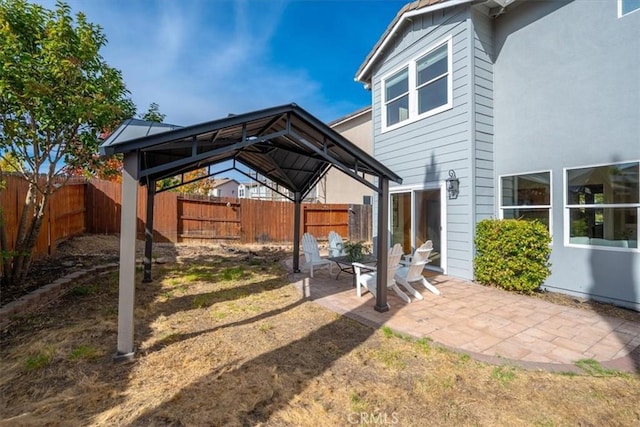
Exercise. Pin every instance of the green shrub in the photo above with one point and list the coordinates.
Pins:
(512, 254)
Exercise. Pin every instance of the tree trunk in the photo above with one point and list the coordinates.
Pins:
(4, 253)
(28, 230)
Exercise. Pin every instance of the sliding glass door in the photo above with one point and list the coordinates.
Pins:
(415, 218)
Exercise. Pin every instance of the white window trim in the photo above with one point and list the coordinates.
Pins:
(413, 90)
(567, 217)
(501, 207)
(620, 14)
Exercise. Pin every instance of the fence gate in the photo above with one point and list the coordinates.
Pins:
(320, 219)
(202, 219)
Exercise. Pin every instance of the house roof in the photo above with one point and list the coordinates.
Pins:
(416, 8)
(409, 10)
(222, 181)
(285, 144)
(353, 115)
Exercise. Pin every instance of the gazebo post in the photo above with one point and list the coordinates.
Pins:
(296, 232)
(148, 232)
(383, 245)
(126, 294)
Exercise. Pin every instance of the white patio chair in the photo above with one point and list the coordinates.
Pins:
(411, 272)
(312, 254)
(336, 245)
(368, 281)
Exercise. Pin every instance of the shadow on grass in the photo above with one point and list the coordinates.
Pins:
(84, 321)
(176, 338)
(237, 396)
(236, 392)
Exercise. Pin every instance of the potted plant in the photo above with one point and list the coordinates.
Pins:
(355, 250)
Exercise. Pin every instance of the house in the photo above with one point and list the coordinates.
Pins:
(336, 187)
(224, 187)
(262, 189)
(509, 109)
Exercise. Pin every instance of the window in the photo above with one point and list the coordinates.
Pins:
(432, 71)
(241, 192)
(602, 205)
(419, 89)
(397, 93)
(526, 196)
(625, 7)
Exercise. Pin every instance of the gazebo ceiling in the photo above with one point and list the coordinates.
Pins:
(285, 144)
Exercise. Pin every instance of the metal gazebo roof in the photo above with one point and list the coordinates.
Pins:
(285, 144)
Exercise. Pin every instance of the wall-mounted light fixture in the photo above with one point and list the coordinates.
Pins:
(453, 185)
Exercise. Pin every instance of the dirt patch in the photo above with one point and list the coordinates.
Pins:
(85, 251)
(223, 339)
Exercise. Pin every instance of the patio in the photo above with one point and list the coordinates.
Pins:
(489, 324)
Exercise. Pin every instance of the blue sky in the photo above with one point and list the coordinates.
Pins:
(200, 60)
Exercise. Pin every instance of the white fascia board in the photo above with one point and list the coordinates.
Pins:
(405, 16)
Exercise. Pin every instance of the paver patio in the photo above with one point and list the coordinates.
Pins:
(489, 324)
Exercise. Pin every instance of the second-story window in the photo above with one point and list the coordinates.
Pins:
(625, 7)
(421, 88)
(397, 96)
(432, 70)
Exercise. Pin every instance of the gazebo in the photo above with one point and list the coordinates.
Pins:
(286, 144)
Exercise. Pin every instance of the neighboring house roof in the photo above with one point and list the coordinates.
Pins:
(410, 10)
(222, 181)
(349, 116)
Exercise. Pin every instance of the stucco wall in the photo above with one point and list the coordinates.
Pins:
(339, 187)
(567, 94)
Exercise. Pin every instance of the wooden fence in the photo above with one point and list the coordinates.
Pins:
(63, 218)
(94, 208)
(188, 218)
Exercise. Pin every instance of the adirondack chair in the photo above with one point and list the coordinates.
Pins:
(312, 254)
(411, 272)
(367, 281)
(336, 247)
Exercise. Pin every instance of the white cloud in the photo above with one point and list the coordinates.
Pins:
(202, 60)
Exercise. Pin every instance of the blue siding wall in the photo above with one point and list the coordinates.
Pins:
(424, 151)
(482, 115)
(567, 94)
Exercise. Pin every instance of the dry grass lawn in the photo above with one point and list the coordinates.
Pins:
(226, 340)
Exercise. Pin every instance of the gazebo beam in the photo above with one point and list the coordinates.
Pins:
(296, 232)
(383, 245)
(148, 232)
(126, 292)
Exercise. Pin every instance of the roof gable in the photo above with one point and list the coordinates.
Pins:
(405, 14)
